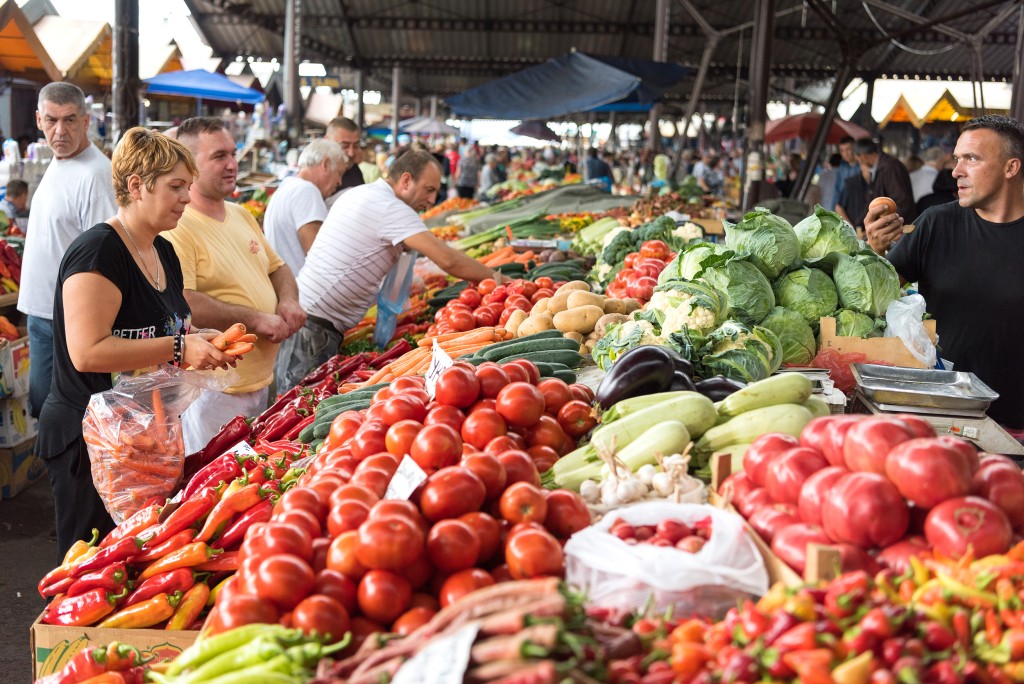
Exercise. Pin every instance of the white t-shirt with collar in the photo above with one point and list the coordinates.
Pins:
(294, 204)
(357, 245)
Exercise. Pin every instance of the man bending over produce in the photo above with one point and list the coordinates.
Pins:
(962, 256)
(364, 234)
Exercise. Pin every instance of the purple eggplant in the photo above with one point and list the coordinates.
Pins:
(647, 369)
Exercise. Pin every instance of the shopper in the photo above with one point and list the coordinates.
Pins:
(712, 180)
(922, 180)
(827, 181)
(490, 175)
(467, 177)
(231, 275)
(296, 209)
(856, 198)
(943, 191)
(889, 178)
(961, 255)
(345, 132)
(74, 194)
(362, 238)
(846, 169)
(120, 307)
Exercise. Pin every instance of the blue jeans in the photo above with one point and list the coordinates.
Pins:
(40, 369)
(304, 351)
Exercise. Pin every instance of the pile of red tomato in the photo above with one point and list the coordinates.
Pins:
(489, 304)
(878, 488)
(640, 270)
(338, 555)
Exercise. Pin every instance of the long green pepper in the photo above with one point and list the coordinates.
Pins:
(261, 649)
(211, 647)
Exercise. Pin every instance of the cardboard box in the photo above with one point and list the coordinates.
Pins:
(53, 646)
(889, 350)
(14, 362)
(19, 467)
(16, 424)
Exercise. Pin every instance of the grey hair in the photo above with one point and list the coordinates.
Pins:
(61, 93)
(317, 150)
(933, 154)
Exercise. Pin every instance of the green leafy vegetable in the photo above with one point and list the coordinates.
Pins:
(741, 352)
(768, 239)
(809, 292)
(686, 265)
(748, 294)
(825, 232)
(866, 283)
(853, 324)
(795, 335)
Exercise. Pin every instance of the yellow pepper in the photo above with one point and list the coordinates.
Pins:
(972, 596)
(774, 599)
(854, 671)
(920, 571)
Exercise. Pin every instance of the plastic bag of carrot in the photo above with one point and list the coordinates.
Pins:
(133, 433)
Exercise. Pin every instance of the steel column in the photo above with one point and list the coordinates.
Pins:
(760, 71)
(292, 57)
(125, 81)
(360, 106)
(1017, 99)
(396, 104)
(803, 181)
(661, 21)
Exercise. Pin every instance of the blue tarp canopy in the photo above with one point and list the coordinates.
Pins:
(201, 84)
(575, 82)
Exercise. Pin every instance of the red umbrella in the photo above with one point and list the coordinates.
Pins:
(805, 125)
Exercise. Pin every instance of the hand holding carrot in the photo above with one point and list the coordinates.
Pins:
(203, 353)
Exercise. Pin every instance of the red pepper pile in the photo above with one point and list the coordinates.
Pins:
(640, 271)
(114, 662)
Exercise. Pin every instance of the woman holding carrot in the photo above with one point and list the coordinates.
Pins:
(119, 306)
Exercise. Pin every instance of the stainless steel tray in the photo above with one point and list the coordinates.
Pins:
(950, 390)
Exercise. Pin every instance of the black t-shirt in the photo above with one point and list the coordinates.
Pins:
(145, 312)
(967, 270)
(351, 178)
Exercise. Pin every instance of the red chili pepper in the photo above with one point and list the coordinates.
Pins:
(235, 532)
(398, 349)
(124, 550)
(58, 587)
(260, 423)
(148, 554)
(993, 630)
(799, 638)
(133, 525)
(239, 502)
(189, 513)
(192, 604)
(225, 562)
(293, 433)
(234, 431)
(170, 582)
(186, 557)
(83, 610)
(111, 578)
(224, 468)
(146, 614)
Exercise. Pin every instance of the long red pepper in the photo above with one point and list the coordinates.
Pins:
(133, 525)
(235, 532)
(188, 514)
(261, 420)
(57, 587)
(224, 468)
(192, 604)
(111, 578)
(145, 614)
(293, 433)
(55, 581)
(83, 610)
(185, 557)
(94, 662)
(225, 562)
(121, 551)
(181, 579)
(150, 554)
(239, 502)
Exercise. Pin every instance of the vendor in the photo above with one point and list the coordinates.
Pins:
(119, 306)
(963, 256)
(359, 242)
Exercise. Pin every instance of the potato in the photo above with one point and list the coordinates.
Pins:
(632, 305)
(535, 323)
(593, 337)
(541, 306)
(615, 306)
(590, 346)
(581, 298)
(575, 285)
(571, 335)
(582, 319)
(514, 321)
(559, 301)
(608, 319)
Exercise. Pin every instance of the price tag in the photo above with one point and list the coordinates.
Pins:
(442, 662)
(439, 363)
(407, 478)
(243, 449)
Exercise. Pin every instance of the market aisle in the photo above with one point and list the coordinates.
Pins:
(27, 552)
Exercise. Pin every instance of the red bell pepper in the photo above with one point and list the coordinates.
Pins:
(111, 578)
(279, 425)
(260, 423)
(82, 610)
(235, 533)
(170, 582)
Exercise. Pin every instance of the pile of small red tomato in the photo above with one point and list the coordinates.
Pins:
(490, 304)
(640, 271)
(337, 555)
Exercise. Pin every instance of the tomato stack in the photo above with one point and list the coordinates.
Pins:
(879, 488)
(490, 304)
(640, 271)
(343, 552)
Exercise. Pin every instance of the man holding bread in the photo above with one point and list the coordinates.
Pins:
(963, 257)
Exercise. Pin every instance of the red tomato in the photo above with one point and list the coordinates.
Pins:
(301, 518)
(814, 490)
(374, 479)
(470, 297)
(543, 282)
(401, 507)
(322, 616)
(556, 394)
(284, 580)
(324, 483)
(343, 427)
(869, 442)
(489, 469)
(481, 426)
(968, 521)
(765, 449)
(520, 404)
(487, 404)
(242, 609)
(788, 472)
(828, 435)
(853, 558)
(462, 321)
(790, 543)
(442, 414)
(864, 509)
(457, 387)
(533, 553)
(518, 301)
(436, 447)
(567, 513)
(999, 480)
(381, 395)
(655, 249)
(516, 373)
(768, 520)
(411, 620)
(462, 583)
(758, 496)
(736, 487)
(500, 445)
(484, 318)
(519, 467)
(642, 287)
(383, 595)
(403, 407)
(630, 260)
(336, 585)
(452, 545)
(576, 418)
(645, 268)
(400, 436)
(486, 286)
(545, 432)
(672, 531)
(488, 533)
(451, 492)
(543, 457)
(347, 515)
(419, 572)
(389, 543)
(530, 367)
(267, 539)
(341, 556)
(928, 471)
(370, 439)
(353, 492)
(492, 378)
(523, 502)
(582, 392)
(305, 498)
(896, 556)
(540, 294)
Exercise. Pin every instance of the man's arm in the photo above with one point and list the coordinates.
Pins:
(208, 312)
(307, 234)
(287, 291)
(449, 260)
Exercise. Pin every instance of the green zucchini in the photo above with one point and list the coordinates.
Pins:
(545, 335)
(331, 413)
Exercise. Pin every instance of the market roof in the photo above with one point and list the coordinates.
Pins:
(448, 46)
(21, 52)
(902, 112)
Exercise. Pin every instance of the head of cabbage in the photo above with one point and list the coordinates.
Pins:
(866, 283)
(825, 232)
(807, 291)
(795, 335)
(687, 262)
(741, 352)
(768, 239)
(748, 294)
(853, 324)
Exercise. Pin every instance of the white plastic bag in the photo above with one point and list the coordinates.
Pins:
(903, 319)
(625, 577)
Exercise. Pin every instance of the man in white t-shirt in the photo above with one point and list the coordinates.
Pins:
(76, 193)
(921, 181)
(365, 233)
(297, 208)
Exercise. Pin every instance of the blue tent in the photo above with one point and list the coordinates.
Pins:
(202, 85)
(575, 82)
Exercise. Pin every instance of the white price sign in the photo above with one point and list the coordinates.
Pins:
(243, 449)
(407, 478)
(442, 662)
(439, 363)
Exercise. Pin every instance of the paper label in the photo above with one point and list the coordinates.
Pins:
(442, 662)
(243, 449)
(439, 363)
(407, 478)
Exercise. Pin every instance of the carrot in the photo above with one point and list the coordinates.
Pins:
(441, 339)
(515, 619)
(230, 335)
(159, 417)
(508, 646)
(239, 348)
(249, 337)
(378, 377)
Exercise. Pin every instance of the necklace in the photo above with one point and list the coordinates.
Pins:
(156, 278)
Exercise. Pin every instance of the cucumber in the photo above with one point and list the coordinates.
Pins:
(545, 335)
(321, 430)
(568, 376)
(364, 393)
(315, 444)
(306, 434)
(566, 357)
(328, 415)
(530, 346)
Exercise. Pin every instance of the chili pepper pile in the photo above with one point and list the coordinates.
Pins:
(115, 663)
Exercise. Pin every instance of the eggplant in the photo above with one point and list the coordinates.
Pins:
(683, 365)
(647, 369)
(681, 382)
(718, 387)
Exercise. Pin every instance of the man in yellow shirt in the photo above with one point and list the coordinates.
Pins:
(231, 275)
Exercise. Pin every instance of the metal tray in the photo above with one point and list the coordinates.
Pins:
(950, 390)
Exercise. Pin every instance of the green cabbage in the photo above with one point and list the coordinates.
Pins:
(768, 239)
(809, 292)
(852, 324)
(687, 262)
(748, 294)
(866, 283)
(741, 352)
(825, 232)
(797, 338)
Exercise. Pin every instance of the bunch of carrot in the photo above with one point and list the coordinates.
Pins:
(235, 341)
(455, 344)
(507, 255)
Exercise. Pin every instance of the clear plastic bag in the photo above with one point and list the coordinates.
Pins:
(626, 577)
(133, 433)
(904, 319)
(393, 297)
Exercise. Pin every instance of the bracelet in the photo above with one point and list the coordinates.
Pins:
(179, 348)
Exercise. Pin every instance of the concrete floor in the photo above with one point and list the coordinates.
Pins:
(28, 550)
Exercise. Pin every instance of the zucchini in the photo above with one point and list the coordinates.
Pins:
(529, 345)
(567, 357)
(784, 388)
(788, 419)
(362, 393)
(321, 430)
(331, 413)
(315, 444)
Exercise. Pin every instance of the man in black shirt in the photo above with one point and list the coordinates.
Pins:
(346, 133)
(964, 257)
